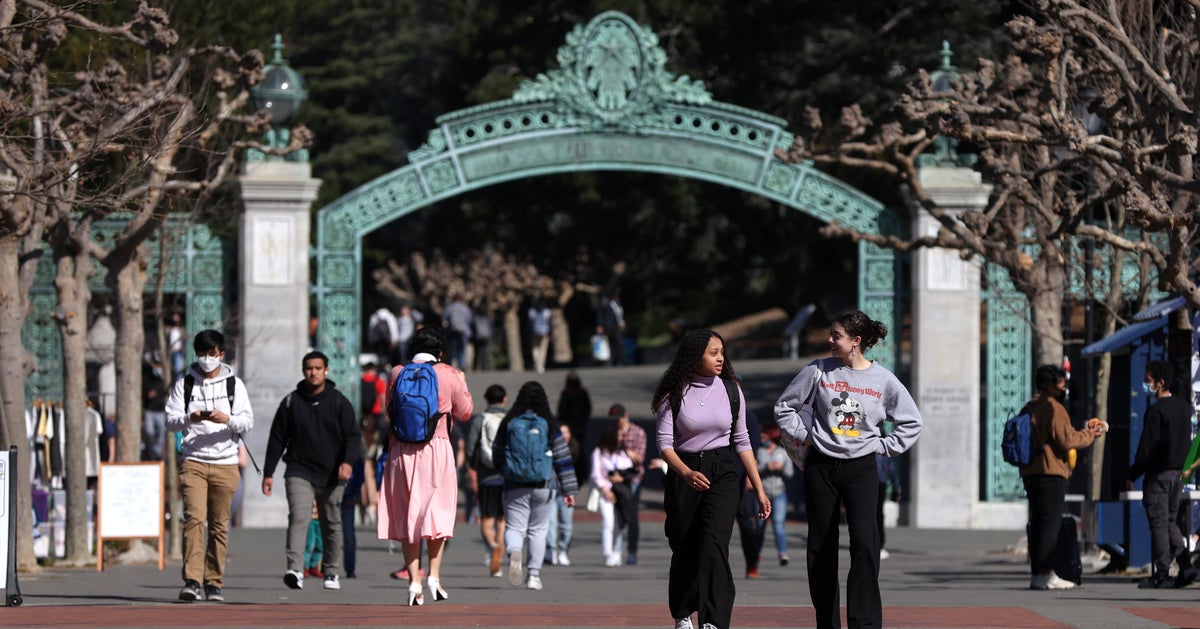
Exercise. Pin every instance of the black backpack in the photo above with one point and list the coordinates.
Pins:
(189, 383)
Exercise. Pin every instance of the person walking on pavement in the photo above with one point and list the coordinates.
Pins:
(561, 527)
(419, 493)
(527, 433)
(211, 407)
(610, 321)
(575, 410)
(1161, 453)
(851, 397)
(632, 439)
(485, 478)
(775, 468)
(701, 433)
(316, 433)
(1045, 477)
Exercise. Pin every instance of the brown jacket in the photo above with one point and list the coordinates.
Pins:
(1051, 427)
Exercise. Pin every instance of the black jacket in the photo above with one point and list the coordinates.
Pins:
(314, 434)
(1166, 437)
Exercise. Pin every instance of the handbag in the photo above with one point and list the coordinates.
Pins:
(796, 450)
(600, 349)
(593, 501)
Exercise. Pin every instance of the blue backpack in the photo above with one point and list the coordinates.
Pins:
(1017, 444)
(527, 454)
(413, 409)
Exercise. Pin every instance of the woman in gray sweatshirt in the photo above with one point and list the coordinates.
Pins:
(837, 406)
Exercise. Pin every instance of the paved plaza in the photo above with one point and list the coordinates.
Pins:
(934, 578)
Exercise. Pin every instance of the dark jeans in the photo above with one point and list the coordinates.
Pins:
(635, 529)
(349, 541)
(1160, 495)
(828, 484)
(698, 526)
(1047, 495)
(750, 528)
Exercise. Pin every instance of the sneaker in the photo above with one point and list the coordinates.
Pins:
(515, 575)
(1058, 583)
(534, 582)
(884, 554)
(494, 558)
(1185, 577)
(684, 623)
(563, 559)
(213, 593)
(332, 582)
(1154, 583)
(784, 559)
(613, 561)
(190, 591)
(294, 579)
(752, 572)
(631, 559)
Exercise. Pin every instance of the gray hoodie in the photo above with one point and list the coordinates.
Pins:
(842, 410)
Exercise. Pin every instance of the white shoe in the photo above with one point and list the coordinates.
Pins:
(515, 575)
(684, 623)
(533, 582)
(563, 560)
(884, 554)
(1057, 583)
(613, 560)
(551, 557)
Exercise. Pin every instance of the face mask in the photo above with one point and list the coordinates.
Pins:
(208, 363)
(1149, 388)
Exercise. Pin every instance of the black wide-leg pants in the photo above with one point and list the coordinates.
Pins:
(699, 525)
(830, 483)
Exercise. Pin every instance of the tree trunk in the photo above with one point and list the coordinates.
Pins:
(128, 283)
(1045, 311)
(512, 339)
(71, 283)
(560, 337)
(16, 363)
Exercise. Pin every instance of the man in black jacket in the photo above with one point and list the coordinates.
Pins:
(1161, 452)
(316, 434)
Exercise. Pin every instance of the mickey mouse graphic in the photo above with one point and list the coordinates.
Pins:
(846, 413)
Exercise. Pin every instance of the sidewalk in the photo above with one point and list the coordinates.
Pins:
(932, 579)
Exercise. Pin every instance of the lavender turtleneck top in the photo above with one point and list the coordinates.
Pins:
(704, 421)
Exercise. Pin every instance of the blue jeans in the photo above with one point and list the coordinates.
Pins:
(562, 522)
(779, 505)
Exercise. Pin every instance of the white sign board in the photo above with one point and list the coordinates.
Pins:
(130, 505)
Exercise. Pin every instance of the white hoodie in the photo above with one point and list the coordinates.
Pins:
(209, 441)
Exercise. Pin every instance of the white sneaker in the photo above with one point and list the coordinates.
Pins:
(613, 560)
(1057, 583)
(294, 579)
(884, 554)
(684, 623)
(533, 582)
(515, 575)
(332, 582)
(563, 560)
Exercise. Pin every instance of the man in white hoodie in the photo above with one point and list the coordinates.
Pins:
(211, 407)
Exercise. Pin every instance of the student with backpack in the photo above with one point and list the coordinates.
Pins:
(419, 493)
(529, 450)
(485, 479)
(1045, 477)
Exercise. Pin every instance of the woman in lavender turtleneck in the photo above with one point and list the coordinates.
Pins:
(702, 437)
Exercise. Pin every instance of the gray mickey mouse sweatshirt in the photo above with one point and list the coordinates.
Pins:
(848, 408)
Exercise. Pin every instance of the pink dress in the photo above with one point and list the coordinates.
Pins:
(419, 495)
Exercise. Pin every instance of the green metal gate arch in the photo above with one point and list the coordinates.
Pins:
(611, 105)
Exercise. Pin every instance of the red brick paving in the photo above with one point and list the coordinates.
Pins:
(1182, 617)
(454, 616)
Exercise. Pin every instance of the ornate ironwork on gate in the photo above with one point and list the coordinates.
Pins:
(610, 105)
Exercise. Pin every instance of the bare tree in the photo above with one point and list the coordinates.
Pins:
(131, 133)
(1024, 117)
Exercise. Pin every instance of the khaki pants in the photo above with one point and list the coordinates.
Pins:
(207, 491)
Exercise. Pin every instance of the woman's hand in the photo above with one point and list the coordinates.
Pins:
(609, 496)
(697, 481)
(764, 505)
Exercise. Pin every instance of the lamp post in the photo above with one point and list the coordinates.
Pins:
(280, 93)
(1092, 124)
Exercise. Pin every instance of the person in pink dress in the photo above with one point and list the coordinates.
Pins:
(419, 496)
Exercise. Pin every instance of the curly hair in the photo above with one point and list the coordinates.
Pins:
(683, 367)
(857, 323)
(531, 399)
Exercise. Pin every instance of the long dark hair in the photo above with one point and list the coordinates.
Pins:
(532, 399)
(682, 369)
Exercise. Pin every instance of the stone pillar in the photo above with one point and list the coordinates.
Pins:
(945, 464)
(273, 253)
